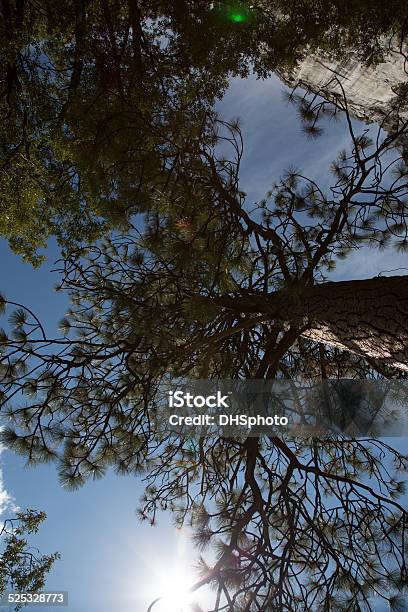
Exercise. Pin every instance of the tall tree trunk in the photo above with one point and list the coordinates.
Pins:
(366, 317)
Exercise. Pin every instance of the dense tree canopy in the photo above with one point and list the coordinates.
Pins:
(188, 279)
(97, 97)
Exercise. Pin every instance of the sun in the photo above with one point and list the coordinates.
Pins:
(172, 588)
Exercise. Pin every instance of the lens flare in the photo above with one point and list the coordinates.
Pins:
(173, 590)
(238, 17)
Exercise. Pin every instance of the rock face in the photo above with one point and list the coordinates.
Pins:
(371, 91)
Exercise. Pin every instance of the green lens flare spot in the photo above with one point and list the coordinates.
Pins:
(238, 17)
(237, 12)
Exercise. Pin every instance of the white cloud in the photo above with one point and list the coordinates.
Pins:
(7, 504)
(367, 263)
(273, 136)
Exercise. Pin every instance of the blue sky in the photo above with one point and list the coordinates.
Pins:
(273, 141)
(108, 557)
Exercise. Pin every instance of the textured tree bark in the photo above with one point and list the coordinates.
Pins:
(366, 317)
